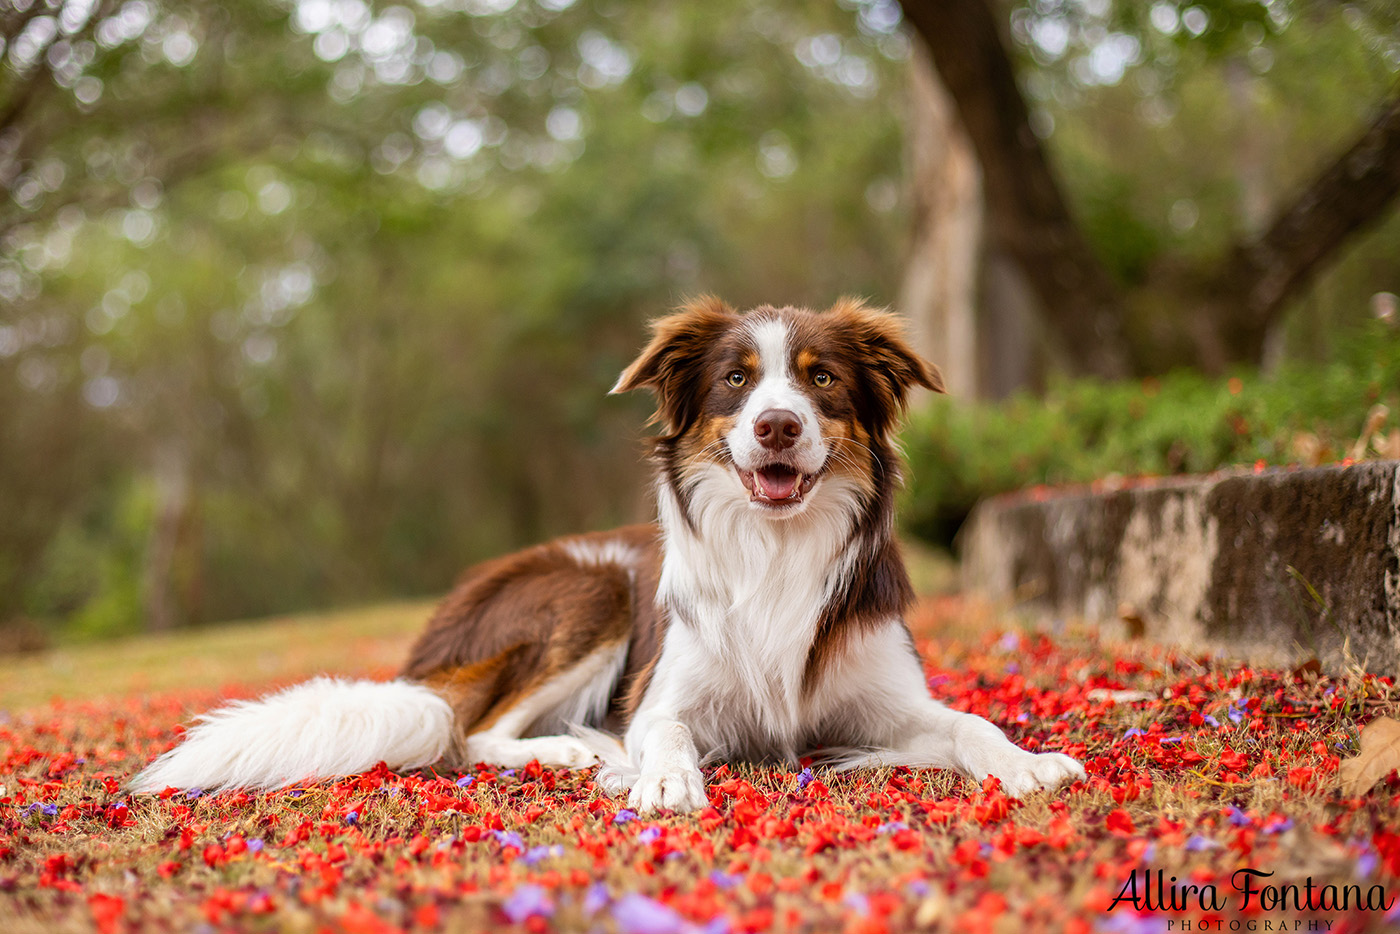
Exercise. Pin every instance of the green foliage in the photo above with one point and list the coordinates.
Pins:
(1180, 423)
(358, 277)
(93, 565)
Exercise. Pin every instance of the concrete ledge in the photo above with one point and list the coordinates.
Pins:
(1284, 564)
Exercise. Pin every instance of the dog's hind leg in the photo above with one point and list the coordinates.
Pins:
(533, 644)
(509, 733)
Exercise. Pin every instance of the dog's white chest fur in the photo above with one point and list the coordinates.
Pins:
(746, 595)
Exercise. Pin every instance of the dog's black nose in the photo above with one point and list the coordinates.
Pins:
(777, 429)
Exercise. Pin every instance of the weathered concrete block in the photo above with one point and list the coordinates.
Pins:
(1285, 562)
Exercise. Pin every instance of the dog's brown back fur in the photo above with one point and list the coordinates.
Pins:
(514, 622)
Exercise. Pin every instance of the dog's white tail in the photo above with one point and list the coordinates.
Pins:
(321, 729)
(618, 771)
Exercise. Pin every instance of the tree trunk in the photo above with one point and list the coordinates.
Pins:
(1011, 344)
(939, 293)
(1026, 216)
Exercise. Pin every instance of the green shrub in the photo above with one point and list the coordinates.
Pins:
(1181, 423)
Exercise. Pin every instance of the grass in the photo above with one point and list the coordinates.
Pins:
(268, 650)
(1198, 767)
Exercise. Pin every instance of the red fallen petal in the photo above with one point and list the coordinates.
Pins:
(107, 911)
(1097, 899)
(1120, 822)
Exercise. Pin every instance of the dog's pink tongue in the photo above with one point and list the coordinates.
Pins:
(776, 484)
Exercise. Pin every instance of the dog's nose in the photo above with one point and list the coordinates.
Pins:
(777, 429)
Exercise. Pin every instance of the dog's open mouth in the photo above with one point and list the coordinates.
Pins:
(776, 485)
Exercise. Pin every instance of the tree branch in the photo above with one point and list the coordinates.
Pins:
(1349, 195)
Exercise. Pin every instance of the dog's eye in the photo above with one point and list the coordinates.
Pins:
(822, 379)
(736, 379)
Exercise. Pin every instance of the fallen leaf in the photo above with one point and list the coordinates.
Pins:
(1310, 667)
(1379, 756)
(1374, 420)
(1136, 627)
(1119, 697)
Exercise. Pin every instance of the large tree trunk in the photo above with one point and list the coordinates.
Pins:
(1026, 216)
(972, 310)
(939, 293)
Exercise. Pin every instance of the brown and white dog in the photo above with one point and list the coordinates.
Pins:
(759, 619)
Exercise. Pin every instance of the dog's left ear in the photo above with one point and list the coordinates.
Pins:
(878, 337)
(672, 364)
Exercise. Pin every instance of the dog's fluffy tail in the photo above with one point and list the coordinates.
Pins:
(618, 772)
(321, 729)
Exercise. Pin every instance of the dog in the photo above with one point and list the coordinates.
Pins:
(760, 618)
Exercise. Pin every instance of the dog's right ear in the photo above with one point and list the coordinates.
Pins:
(672, 364)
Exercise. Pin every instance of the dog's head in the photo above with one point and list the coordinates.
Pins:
(780, 398)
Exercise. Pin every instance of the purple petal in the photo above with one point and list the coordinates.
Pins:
(538, 853)
(509, 838)
(528, 901)
(858, 903)
(637, 914)
(596, 898)
(724, 880)
(716, 925)
(624, 816)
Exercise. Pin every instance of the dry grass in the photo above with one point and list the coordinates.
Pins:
(268, 650)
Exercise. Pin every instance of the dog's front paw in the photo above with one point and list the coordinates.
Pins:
(676, 790)
(1024, 772)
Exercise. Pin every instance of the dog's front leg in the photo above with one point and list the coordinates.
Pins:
(669, 768)
(659, 742)
(882, 702)
(976, 747)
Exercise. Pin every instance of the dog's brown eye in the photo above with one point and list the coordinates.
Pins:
(822, 379)
(736, 379)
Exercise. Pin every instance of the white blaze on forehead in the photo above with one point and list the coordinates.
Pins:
(775, 389)
(770, 337)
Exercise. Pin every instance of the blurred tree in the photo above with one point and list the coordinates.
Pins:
(1222, 306)
(313, 301)
(338, 289)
